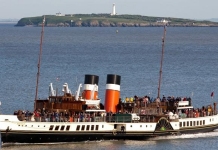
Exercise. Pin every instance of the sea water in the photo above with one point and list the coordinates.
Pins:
(190, 69)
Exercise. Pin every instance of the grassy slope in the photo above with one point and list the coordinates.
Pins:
(51, 19)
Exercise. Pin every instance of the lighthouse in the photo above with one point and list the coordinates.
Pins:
(113, 10)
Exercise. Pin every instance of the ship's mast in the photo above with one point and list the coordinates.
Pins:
(39, 61)
(161, 62)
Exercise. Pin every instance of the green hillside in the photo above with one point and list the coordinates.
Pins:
(106, 20)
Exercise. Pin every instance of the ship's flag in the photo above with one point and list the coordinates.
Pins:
(212, 94)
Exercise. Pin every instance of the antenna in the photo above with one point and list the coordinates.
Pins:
(161, 62)
(39, 61)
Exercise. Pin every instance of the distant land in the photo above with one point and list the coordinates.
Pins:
(11, 21)
(107, 20)
(214, 19)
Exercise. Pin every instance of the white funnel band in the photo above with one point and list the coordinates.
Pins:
(113, 87)
(90, 87)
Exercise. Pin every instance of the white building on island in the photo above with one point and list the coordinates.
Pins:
(113, 10)
(60, 14)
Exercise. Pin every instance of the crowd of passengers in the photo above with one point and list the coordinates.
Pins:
(172, 101)
(148, 99)
(55, 116)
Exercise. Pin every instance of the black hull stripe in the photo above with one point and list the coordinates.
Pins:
(46, 137)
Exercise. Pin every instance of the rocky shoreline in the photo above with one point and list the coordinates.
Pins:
(120, 24)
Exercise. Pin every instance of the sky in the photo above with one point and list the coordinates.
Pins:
(189, 9)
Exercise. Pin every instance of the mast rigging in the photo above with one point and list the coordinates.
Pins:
(161, 62)
(39, 62)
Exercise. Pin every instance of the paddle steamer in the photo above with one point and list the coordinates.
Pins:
(80, 116)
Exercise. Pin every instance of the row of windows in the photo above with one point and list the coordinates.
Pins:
(94, 127)
(87, 127)
(192, 123)
(62, 128)
(141, 126)
(211, 119)
(83, 127)
(31, 125)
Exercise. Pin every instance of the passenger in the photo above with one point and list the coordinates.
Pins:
(37, 116)
(164, 99)
(131, 99)
(146, 101)
(32, 118)
(127, 100)
(209, 110)
(71, 119)
(122, 128)
(57, 116)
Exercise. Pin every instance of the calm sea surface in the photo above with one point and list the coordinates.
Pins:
(190, 69)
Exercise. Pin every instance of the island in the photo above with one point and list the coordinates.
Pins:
(108, 20)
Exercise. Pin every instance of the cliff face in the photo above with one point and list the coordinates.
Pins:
(105, 20)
